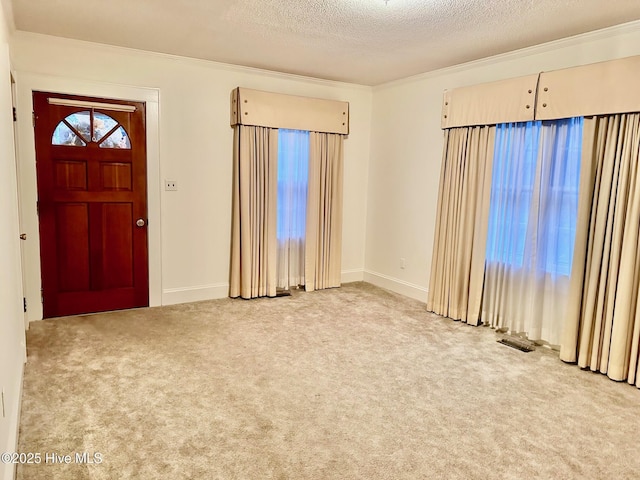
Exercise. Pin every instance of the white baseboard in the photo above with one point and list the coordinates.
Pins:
(8, 471)
(396, 285)
(173, 296)
(348, 276)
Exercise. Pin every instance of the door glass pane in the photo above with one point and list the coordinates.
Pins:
(63, 135)
(118, 139)
(102, 124)
(81, 121)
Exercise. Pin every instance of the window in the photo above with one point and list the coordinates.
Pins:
(293, 174)
(514, 163)
(81, 128)
(534, 195)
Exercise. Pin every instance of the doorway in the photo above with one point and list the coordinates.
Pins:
(92, 203)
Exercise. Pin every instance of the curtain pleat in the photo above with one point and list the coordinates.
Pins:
(603, 322)
(455, 286)
(253, 233)
(323, 252)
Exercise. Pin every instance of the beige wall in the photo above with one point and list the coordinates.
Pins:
(12, 351)
(195, 149)
(406, 149)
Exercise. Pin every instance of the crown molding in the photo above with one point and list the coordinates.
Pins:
(616, 30)
(190, 61)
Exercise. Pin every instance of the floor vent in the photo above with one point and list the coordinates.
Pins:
(518, 343)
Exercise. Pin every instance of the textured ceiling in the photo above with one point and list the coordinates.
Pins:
(359, 41)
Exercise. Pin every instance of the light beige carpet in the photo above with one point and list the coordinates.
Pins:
(349, 383)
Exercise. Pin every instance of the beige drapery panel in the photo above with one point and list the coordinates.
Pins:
(602, 329)
(253, 231)
(323, 249)
(457, 268)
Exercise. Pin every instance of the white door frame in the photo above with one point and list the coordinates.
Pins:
(20, 227)
(26, 83)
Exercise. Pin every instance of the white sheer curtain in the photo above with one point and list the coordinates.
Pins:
(293, 174)
(532, 221)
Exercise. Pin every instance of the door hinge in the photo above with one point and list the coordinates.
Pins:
(33, 119)
(15, 114)
(42, 295)
(24, 303)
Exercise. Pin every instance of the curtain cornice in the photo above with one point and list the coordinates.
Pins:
(277, 110)
(596, 89)
(603, 88)
(511, 100)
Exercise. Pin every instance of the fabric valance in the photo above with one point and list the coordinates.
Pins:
(511, 100)
(276, 110)
(597, 89)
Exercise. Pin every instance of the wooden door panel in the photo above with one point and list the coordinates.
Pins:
(117, 251)
(91, 166)
(70, 175)
(72, 227)
(116, 176)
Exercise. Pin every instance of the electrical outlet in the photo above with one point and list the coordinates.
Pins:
(171, 185)
(403, 263)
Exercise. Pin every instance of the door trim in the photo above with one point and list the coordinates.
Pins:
(26, 83)
(14, 104)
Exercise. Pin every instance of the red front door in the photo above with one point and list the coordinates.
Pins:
(92, 203)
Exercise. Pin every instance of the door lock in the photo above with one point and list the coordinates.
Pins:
(23, 236)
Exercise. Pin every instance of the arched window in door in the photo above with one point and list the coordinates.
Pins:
(81, 128)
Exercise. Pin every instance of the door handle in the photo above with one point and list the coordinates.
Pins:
(23, 236)
(140, 222)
